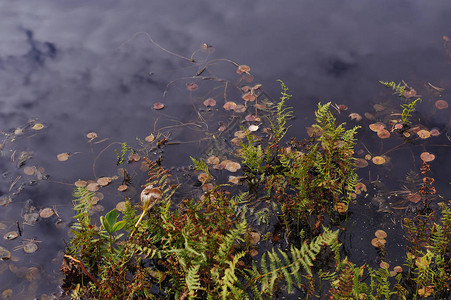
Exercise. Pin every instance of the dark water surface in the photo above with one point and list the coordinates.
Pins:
(75, 67)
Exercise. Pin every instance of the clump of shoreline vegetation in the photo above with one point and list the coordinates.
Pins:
(207, 248)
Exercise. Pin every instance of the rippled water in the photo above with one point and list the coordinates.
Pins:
(77, 67)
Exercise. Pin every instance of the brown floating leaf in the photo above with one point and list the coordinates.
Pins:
(236, 141)
(91, 135)
(369, 116)
(239, 108)
(150, 138)
(377, 242)
(434, 132)
(360, 187)
(29, 170)
(213, 160)
(92, 187)
(231, 166)
(397, 269)
(210, 102)
(441, 104)
(253, 252)
(103, 181)
(134, 157)
(191, 86)
(384, 265)
(379, 160)
(207, 187)
(229, 105)
(249, 97)
(80, 183)
(361, 163)
(37, 126)
(249, 118)
(63, 156)
(377, 126)
(355, 116)
(122, 188)
(393, 273)
(424, 134)
(254, 237)
(383, 134)
(380, 234)
(46, 213)
(10, 235)
(120, 206)
(243, 69)
(30, 247)
(427, 157)
(158, 106)
(246, 88)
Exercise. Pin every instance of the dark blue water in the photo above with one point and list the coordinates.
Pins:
(78, 67)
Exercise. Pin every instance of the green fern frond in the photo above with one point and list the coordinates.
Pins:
(229, 279)
(192, 280)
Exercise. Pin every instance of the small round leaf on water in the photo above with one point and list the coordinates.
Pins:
(30, 247)
(37, 126)
(120, 206)
(229, 105)
(29, 170)
(379, 160)
(213, 160)
(243, 69)
(427, 157)
(441, 104)
(63, 156)
(122, 188)
(158, 106)
(46, 213)
(150, 138)
(91, 135)
(424, 134)
(103, 181)
(191, 86)
(210, 102)
(10, 235)
(92, 187)
(380, 234)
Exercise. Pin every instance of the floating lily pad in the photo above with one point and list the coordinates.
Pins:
(103, 181)
(249, 96)
(29, 170)
(92, 187)
(32, 274)
(229, 105)
(63, 156)
(361, 163)
(120, 206)
(213, 160)
(254, 237)
(379, 160)
(150, 138)
(158, 106)
(243, 69)
(210, 102)
(383, 134)
(441, 104)
(122, 188)
(37, 126)
(427, 157)
(355, 116)
(239, 108)
(191, 86)
(424, 134)
(10, 235)
(46, 213)
(80, 183)
(30, 247)
(253, 128)
(380, 234)
(91, 135)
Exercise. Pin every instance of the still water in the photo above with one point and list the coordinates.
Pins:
(79, 67)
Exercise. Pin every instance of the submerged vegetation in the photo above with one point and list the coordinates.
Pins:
(275, 233)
